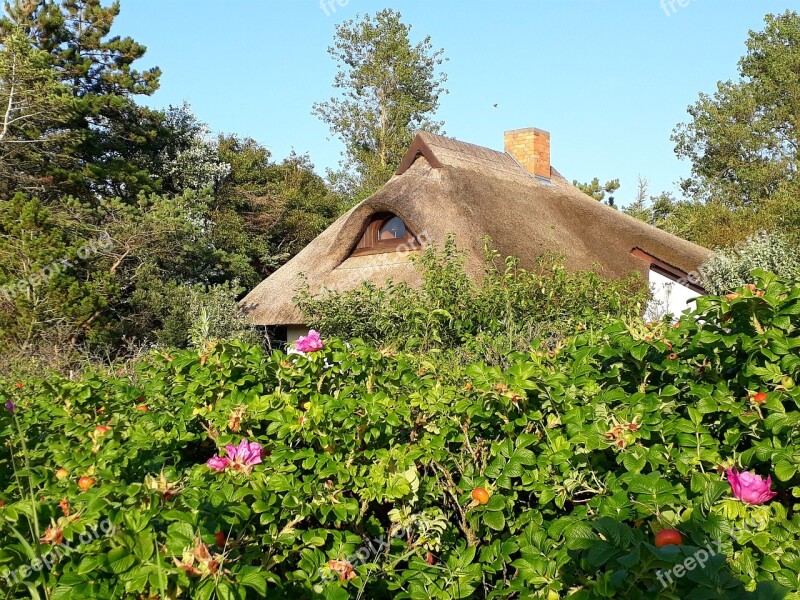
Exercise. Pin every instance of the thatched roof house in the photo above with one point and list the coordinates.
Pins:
(445, 186)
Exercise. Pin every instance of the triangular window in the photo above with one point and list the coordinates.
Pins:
(386, 233)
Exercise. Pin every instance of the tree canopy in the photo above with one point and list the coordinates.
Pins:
(599, 191)
(742, 142)
(389, 88)
(185, 216)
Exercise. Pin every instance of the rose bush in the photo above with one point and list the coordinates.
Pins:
(354, 469)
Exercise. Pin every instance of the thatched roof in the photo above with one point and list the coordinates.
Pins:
(444, 186)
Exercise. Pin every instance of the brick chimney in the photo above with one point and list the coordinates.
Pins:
(531, 149)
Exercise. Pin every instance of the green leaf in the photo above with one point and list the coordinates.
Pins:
(600, 553)
(784, 470)
(638, 352)
(495, 520)
(255, 581)
(496, 502)
(180, 535)
(580, 535)
(634, 462)
(714, 490)
(120, 560)
(225, 591)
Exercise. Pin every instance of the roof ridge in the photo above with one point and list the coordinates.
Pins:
(437, 136)
(441, 151)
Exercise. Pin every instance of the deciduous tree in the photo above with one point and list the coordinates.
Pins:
(389, 88)
(743, 140)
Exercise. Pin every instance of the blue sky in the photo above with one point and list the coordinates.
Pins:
(608, 79)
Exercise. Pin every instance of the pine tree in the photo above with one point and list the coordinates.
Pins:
(599, 191)
(32, 105)
(110, 129)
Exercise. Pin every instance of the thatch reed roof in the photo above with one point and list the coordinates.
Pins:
(445, 186)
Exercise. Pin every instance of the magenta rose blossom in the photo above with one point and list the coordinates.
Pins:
(309, 343)
(240, 458)
(750, 488)
(244, 456)
(218, 463)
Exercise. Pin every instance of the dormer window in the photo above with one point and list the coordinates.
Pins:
(386, 233)
(393, 229)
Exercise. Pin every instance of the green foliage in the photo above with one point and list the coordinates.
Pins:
(107, 130)
(191, 315)
(185, 214)
(160, 250)
(389, 88)
(599, 191)
(299, 206)
(710, 224)
(76, 35)
(53, 281)
(190, 158)
(96, 276)
(32, 117)
(732, 267)
(713, 223)
(215, 315)
(742, 140)
(586, 451)
(268, 210)
(658, 210)
(507, 307)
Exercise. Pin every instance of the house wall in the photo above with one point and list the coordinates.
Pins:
(669, 297)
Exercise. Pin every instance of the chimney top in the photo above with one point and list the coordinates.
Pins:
(531, 149)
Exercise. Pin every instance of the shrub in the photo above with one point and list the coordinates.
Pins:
(508, 307)
(732, 267)
(215, 314)
(191, 314)
(367, 486)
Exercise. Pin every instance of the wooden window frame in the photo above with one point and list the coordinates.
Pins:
(669, 271)
(370, 244)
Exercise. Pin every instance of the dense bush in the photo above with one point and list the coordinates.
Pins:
(584, 452)
(507, 308)
(731, 267)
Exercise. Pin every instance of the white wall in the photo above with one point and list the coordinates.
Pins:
(669, 297)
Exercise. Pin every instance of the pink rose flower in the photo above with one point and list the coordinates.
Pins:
(240, 458)
(218, 463)
(750, 488)
(309, 343)
(244, 456)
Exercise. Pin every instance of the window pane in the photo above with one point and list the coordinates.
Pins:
(393, 228)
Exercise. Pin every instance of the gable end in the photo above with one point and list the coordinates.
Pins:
(418, 148)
